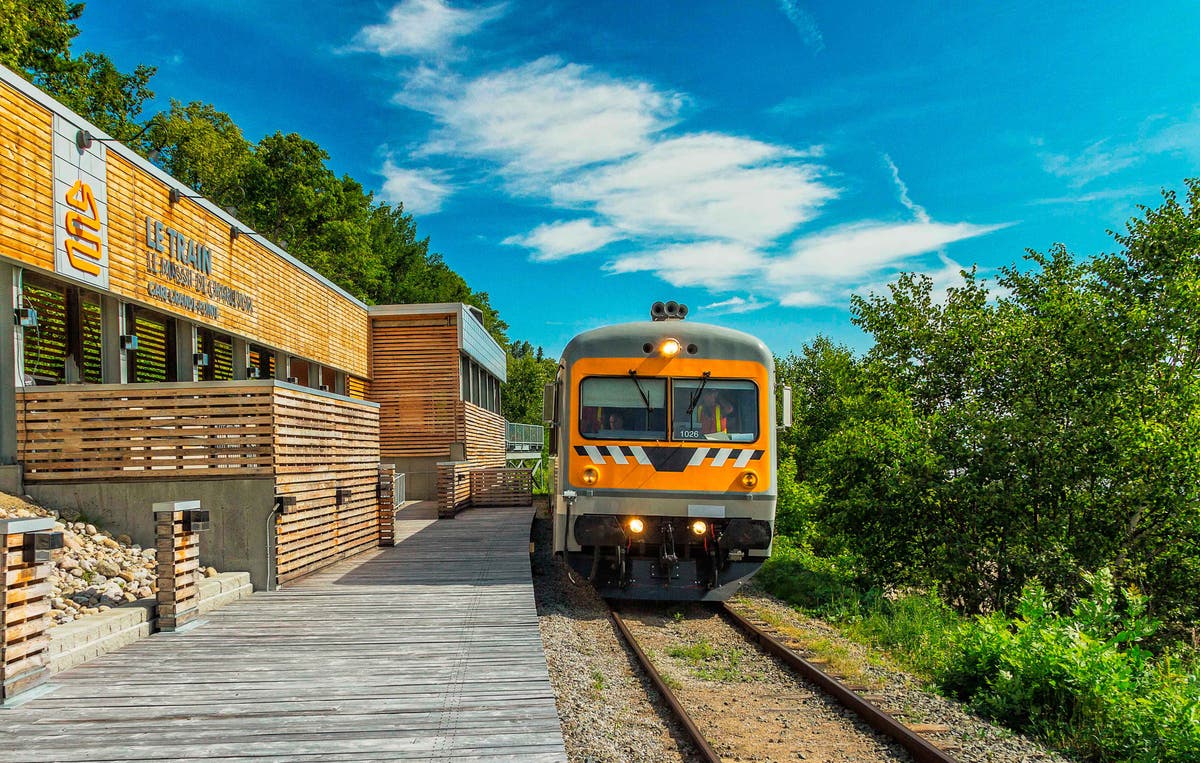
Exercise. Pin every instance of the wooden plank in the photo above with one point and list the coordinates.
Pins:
(320, 670)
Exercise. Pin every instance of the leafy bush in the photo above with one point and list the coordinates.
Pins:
(1081, 681)
(796, 575)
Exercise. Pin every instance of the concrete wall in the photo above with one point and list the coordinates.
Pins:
(420, 481)
(10, 479)
(240, 511)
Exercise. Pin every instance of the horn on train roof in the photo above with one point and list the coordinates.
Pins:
(668, 311)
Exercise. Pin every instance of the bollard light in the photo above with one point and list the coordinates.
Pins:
(40, 546)
(196, 520)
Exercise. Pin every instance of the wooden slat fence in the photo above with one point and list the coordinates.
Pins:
(321, 449)
(113, 431)
(501, 487)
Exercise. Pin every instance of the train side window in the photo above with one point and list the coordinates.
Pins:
(714, 409)
(613, 408)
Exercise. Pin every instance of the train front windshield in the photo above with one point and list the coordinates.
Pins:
(714, 409)
(623, 408)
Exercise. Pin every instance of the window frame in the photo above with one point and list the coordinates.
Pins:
(669, 407)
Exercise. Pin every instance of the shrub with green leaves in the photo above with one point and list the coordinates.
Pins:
(1082, 681)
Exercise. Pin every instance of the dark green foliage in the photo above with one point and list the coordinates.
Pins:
(1082, 680)
(987, 440)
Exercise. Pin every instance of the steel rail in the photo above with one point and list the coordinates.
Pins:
(916, 745)
(693, 731)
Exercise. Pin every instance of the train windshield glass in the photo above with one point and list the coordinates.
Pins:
(623, 408)
(714, 409)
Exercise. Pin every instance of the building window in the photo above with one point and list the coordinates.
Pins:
(65, 346)
(219, 349)
(154, 359)
(262, 363)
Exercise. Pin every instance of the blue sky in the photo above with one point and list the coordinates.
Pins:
(759, 160)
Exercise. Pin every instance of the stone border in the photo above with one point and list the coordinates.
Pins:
(94, 635)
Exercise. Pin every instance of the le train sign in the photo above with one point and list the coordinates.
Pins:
(187, 263)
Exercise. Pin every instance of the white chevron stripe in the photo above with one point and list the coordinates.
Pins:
(722, 455)
(618, 456)
(744, 458)
(640, 455)
(698, 457)
(594, 452)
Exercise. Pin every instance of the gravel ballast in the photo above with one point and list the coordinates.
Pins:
(611, 713)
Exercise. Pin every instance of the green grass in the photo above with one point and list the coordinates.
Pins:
(693, 653)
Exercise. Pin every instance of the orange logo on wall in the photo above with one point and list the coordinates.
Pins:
(82, 221)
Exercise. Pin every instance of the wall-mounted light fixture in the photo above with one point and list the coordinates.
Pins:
(253, 372)
(84, 140)
(293, 380)
(25, 317)
(199, 358)
(286, 503)
(342, 495)
(174, 195)
(129, 342)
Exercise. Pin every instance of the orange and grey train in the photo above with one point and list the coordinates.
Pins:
(665, 435)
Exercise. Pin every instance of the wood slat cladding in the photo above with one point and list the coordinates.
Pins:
(414, 362)
(24, 617)
(70, 432)
(26, 181)
(293, 311)
(324, 445)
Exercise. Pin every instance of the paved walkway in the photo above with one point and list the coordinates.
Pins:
(426, 651)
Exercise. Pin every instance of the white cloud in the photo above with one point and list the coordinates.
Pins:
(713, 265)
(705, 185)
(1106, 157)
(423, 28)
(422, 191)
(804, 23)
(918, 211)
(544, 118)
(559, 240)
(847, 253)
(734, 306)
(806, 298)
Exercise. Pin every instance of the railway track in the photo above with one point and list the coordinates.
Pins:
(713, 726)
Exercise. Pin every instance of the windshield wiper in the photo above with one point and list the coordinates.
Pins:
(699, 391)
(642, 392)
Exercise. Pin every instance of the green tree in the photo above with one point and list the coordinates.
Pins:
(528, 373)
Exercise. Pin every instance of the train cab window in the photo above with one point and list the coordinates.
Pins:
(623, 408)
(714, 409)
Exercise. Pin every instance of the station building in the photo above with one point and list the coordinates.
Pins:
(161, 350)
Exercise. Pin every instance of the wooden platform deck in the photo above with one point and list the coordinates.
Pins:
(426, 651)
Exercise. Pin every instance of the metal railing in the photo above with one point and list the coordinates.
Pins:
(398, 489)
(524, 437)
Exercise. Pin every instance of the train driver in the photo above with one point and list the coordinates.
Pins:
(713, 412)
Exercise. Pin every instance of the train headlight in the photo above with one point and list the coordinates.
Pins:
(699, 527)
(669, 348)
(636, 526)
(749, 480)
(591, 475)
